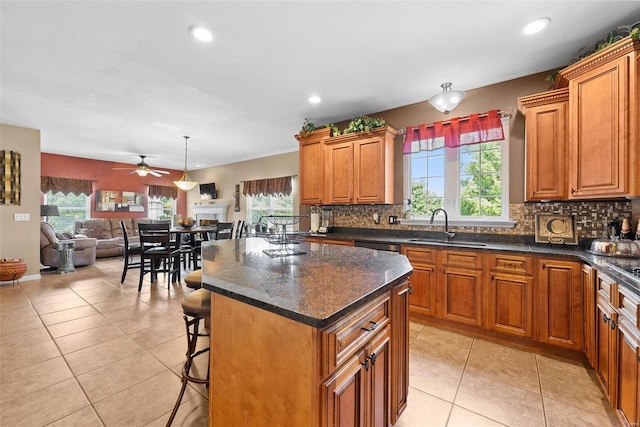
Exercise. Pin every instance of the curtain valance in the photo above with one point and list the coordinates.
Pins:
(66, 185)
(269, 186)
(458, 131)
(160, 191)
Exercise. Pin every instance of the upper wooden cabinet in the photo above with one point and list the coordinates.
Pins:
(546, 144)
(311, 166)
(359, 167)
(356, 168)
(602, 129)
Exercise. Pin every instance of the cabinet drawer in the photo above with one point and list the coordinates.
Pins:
(629, 306)
(467, 259)
(345, 338)
(605, 287)
(510, 263)
(420, 255)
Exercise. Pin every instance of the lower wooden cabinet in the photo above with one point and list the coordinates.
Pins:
(459, 287)
(589, 313)
(423, 259)
(509, 294)
(329, 241)
(606, 347)
(628, 372)
(560, 303)
(400, 296)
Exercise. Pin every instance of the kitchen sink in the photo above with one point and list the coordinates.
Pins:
(448, 242)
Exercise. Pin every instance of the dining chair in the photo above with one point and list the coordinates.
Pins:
(224, 231)
(239, 229)
(159, 254)
(131, 251)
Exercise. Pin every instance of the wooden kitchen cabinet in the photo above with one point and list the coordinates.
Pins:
(400, 297)
(604, 156)
(423, 259)
(589, 313)
(606, 337)
(546, 144)
(509, 294)
(358, 167)
(560, 303)
(628, 358)
(358, 359)
(459, 286)
(311, 169)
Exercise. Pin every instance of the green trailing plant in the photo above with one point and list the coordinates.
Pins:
(307, 128)
(364, 124)
(334, 129)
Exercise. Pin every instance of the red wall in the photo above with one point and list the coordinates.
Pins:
(108, 179)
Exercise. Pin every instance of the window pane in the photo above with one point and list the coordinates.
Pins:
(490, 206)
(72, 208)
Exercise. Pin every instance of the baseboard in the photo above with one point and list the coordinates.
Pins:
(22, 279)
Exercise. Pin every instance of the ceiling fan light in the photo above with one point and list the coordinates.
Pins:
(449, 99)
(142, 172)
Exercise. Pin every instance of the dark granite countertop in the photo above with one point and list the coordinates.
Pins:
(521, 245)
(317, 288)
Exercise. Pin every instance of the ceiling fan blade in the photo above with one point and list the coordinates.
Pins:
(154, 173)
(162, 172)
(123, 169)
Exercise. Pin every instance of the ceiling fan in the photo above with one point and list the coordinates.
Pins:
(143, 169)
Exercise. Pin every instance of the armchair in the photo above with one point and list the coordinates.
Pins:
(84, 252)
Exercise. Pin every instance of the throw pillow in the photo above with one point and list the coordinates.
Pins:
(90, 232)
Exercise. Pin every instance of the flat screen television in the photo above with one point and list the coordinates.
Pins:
(208, 191)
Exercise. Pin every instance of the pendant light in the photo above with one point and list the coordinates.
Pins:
(446, 101)
(185, 183)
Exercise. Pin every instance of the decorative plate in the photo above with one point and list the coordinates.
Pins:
(556, 229)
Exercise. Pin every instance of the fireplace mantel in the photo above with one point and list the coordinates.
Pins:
(213, 211)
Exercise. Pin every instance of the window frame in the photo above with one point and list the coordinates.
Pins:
(52, 220)
(271, 208)
(452, 189)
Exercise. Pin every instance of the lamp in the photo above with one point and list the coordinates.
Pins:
(446, 101)
(49, 210)
(185, 183)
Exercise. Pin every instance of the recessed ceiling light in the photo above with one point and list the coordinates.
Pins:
(315, 99)
(201, 34)
(535, 26)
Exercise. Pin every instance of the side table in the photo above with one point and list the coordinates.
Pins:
(65, 251)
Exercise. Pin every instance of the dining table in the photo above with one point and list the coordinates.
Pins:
(191, 240)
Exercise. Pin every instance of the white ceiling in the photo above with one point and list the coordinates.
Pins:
(99, 77)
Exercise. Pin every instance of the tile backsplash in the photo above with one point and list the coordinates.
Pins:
(591, 217)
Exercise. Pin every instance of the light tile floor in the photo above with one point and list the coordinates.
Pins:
(81, 349)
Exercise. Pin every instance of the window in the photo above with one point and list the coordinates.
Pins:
(161, 208)
(469, 181)
(263, 205)
(72, 208)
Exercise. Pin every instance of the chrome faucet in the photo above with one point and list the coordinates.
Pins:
(447, 233)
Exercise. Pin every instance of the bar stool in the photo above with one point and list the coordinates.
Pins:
(194, 279)
(196, 307)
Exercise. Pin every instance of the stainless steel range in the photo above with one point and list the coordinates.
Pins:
(627, 267)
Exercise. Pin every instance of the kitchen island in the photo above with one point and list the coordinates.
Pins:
(306, 340)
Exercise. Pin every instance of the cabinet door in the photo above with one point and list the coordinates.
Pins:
(400, 346)
(589, 313)
(560, 303)
(311, 172)
(546, 146)
(599, 129)
(338, 169)
(606, 346)
(627, 371)
(343, 394)
(422, 302)
(460, 295)
(510, 304)
(379, 382)
(369, 171)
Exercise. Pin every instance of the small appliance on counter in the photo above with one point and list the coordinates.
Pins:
(315, 220)
(616, 248)
(326, 220)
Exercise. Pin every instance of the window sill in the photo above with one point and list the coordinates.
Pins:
(460, 223)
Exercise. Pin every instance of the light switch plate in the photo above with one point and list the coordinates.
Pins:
(21, 217)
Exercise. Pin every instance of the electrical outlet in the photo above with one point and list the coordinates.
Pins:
(393, 219)
(21, 217)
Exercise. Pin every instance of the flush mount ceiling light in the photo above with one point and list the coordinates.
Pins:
(185, 183)
(201, 33)
(315, 99)
(535, 26)
(446, 101)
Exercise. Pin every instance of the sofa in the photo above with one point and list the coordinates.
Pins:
(84, 252)
(108, 233)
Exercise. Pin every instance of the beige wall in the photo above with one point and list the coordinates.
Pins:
(21, 239)
(227, 176)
